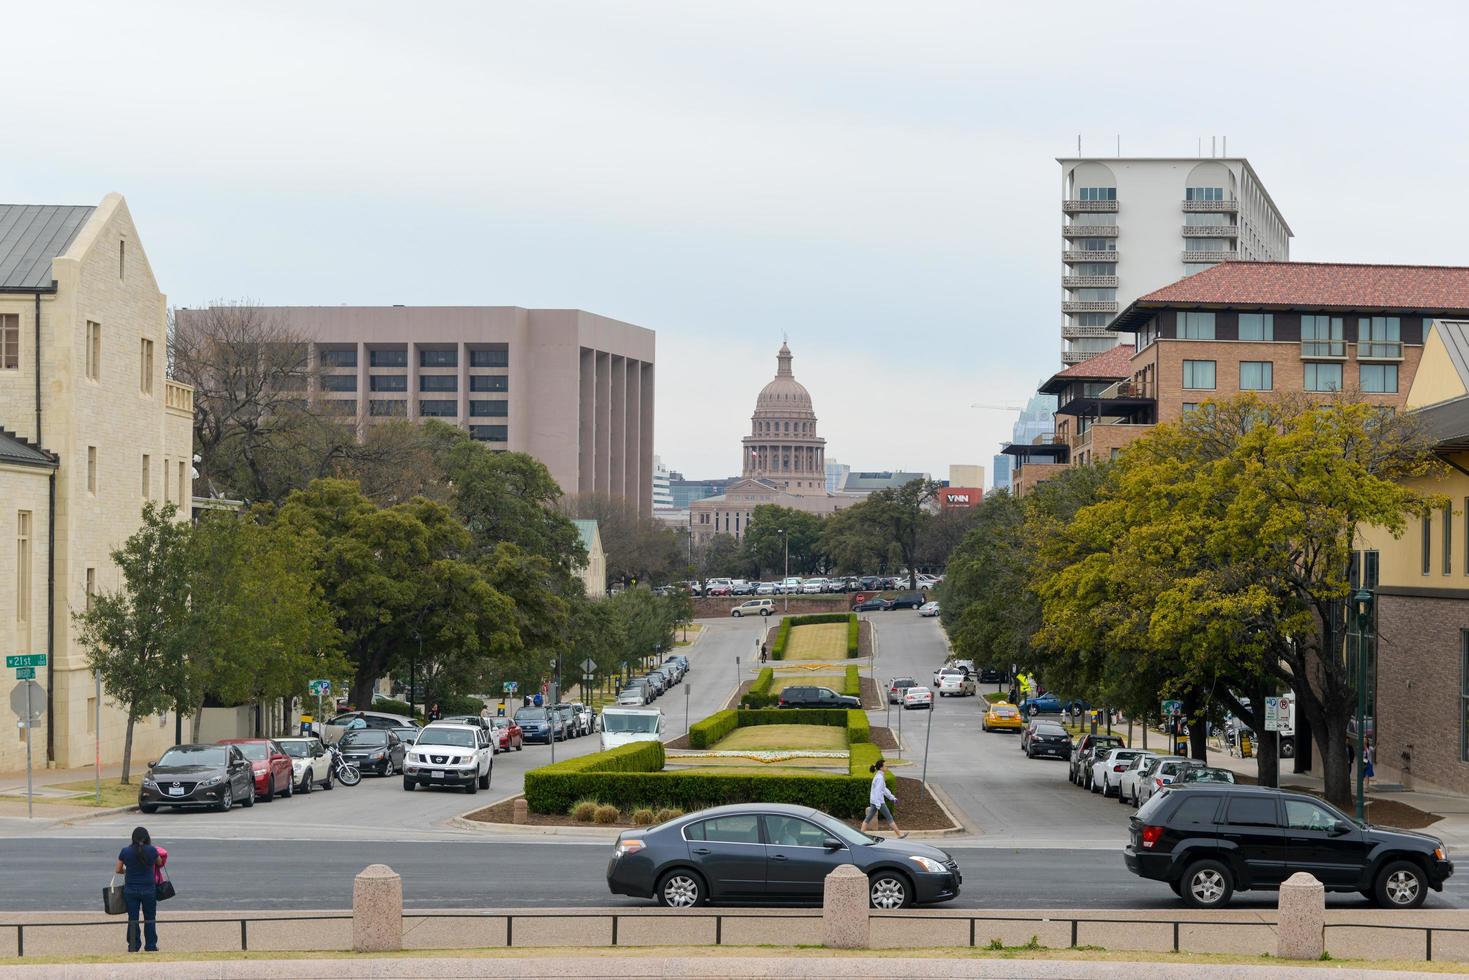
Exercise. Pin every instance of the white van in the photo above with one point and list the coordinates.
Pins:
(623, 725)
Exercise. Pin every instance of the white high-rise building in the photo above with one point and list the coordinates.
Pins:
(662, 493)
(1134, 224)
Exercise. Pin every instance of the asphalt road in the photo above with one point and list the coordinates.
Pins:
(55, 875)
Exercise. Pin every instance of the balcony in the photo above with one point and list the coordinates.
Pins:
(1080, 255)
(1323, 350)
(178, 397)
(1069, 357)
(1088, 231)
(1197, 206)
(1192, 255)
(1380, 350)
(1077, 207)
(1089, 306)
(1089, 282)
(1071, 331)
(1211, 231)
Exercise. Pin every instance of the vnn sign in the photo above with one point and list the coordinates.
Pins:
(951, 497)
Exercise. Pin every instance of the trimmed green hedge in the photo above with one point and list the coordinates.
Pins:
(390, 706)
(703, 734)
(633, 757)
(852, 643)
(759, 695)
(782, 635)
(763, 681)
(783, 631)
(792, 716)
(841, 796)
(858, 729)
(852, 687)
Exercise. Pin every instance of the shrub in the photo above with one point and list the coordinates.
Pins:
(390, 707)
(763, 681)
(703, 734)
(852, 687)
(458, 704)
(815, 619)
(666, 814)
(859, 731)
(852, 643)
(790, 716)
(860, 764)
(584, 811)
(555, 788)
(606, 813)
(759, 695)
(842, 796)
(782, 635)
(642, 816)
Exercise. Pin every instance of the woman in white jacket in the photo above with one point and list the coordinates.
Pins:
(877, 799)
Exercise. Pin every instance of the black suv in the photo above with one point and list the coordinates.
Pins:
(1209, 840)
(1085, 752)
(908, 600)
(816, 697)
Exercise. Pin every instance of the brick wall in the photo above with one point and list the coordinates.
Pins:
(1418, 689)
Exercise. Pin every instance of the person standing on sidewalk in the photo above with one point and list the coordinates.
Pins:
(138, 862)
(877, 800)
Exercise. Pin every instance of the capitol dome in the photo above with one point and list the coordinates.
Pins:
(784, 396)
(783, 448)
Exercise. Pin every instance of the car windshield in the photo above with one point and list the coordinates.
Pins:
(297, 750)
(628, 724)
(457, 737)
(842, 832)
(904, 682)
(531, 714)
(254, 751)
(365, 738)
(195, 755)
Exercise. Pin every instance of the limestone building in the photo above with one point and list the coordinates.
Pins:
(90, 429)
(784, 462)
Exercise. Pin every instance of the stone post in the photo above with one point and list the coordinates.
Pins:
(1301, 929)
(844, 911)
(377, 910)
(520, 811)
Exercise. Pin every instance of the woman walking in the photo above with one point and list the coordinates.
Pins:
(139, 862)
(877, 800)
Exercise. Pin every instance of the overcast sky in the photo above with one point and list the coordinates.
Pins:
(876, 181)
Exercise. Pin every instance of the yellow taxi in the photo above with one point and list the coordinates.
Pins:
(1002, 717)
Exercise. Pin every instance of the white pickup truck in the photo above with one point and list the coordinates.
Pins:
(623, 725)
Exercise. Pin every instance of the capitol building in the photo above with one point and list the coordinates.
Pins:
(783, 462)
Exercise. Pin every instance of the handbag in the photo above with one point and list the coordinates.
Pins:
(112, 901)
(165, 887)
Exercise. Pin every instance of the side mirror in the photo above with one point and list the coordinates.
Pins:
(832, 844)
(1339, 828)
(152, 764)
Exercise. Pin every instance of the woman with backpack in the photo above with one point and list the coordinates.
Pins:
(140, 862)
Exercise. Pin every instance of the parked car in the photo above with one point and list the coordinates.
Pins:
(311, 763)
(407, 735)
(376, 751)
(569, 722)
(655, 684)
(719, 586)
(1082, 755)
(1002, 716)
(1047, 738)
(540, 725)
(1127, 782)
(917, 697)
(952, 680)
(479, 721)
(271, 765)
(872, 604)
(1209, 840)
(634, 692)
(813, 586)
(896, 687)
(741, 587)
(1204, 774)
(992, 675)
(766, 588)
(450, 754)
(1162, 772)
(214, 776)
(790, 586)
(506, 735)
(772, 853)
(908, 600)
(588, 717)
(354, 720)
(928, 609)
(816, 697)
(1041, 704)
(1107, 769)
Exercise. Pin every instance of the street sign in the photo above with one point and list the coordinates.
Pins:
(26, 660)
(1173, 708)
(320, 688)
(28, 701)
(589, 666)
(511, 687)
(25, 673)
(1272, 714)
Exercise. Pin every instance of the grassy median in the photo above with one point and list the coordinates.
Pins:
(784, 737)
(819, 641)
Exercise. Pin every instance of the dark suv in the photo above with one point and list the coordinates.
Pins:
(1085, 753)
(816, 697)
(1209, 840)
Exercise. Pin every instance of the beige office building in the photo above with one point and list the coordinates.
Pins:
(573, 389)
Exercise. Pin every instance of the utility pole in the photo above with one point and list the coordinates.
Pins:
(1364, 617)
(784, 589)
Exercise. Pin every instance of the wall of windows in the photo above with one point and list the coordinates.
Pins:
(489, 433)
(388, 382)
(494, 408)
(438, 358)
(388, 358)
(1256, 375)
(489, 382)
(1379, 378)
(1096, 193)
(1206, 219)
(1207, 244)
(1196, 326)
(339, 382)
(438, 382)
(1379, 336)
(495, 357)
(1257, 326)
(1198, 375)
(339, 358)
(1321, 336)
(1096, 244)
(1203, 194)
(1323, 377)
(438, 408)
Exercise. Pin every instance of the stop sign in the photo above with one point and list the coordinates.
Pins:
(37, 701)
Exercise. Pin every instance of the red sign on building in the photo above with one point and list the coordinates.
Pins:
(951, 497)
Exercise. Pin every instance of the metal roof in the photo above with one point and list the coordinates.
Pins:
(16, 451)
(31, 235)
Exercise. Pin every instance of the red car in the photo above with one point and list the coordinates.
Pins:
(505, 735)
(272, 766)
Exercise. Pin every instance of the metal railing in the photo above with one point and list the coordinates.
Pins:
(1324, 348)
(1379, 350)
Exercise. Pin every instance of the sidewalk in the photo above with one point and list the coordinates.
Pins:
(46, 815)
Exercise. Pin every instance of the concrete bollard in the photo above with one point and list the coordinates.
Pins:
(844, 912)
(520, 812)
(1301, 929)
(377, 910)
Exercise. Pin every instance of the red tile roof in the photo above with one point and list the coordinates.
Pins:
(1112, 365)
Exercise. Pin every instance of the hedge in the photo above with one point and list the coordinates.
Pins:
(759, 695)
(852, 688)
(852, 635)
(458, 704)
(391, 707)
(783, 631)
(858, 729)
(782, 634)
(703, 734)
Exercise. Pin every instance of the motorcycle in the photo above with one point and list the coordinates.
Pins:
(343, 771)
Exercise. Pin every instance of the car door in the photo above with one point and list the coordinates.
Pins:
(1321, 843)
(396, 751)
(242, 774)
(730, 853)
(797, 859)
(1252, 825)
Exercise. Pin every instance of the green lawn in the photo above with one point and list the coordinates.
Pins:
(818, 641)
(113, 793)
(747, 763)
(757, 770)
(756, 737)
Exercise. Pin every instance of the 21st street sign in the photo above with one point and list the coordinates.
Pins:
(26, 660)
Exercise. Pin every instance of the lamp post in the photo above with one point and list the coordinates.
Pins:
(1363, 601)
(784, 588)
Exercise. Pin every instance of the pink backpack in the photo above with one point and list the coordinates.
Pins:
(162, 860)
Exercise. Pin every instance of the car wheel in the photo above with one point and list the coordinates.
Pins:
(472, 787)
(305, 786)
(1120, 798)
(409, 784)
(889, 890)
(735, 614)
(484, 781)
(681, 889)
(249, 799)
(269, 796)
(290, 788)
(327, 783)
(227, 800)
(1207, 885)
(765, 612)
(148, 807)
(1401, 885)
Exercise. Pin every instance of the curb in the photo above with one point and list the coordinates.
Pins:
(956, 827)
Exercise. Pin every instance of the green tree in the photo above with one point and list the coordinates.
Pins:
(855, 545)
(766, 536)
(720, 556)
(638, 547)
(137, 637)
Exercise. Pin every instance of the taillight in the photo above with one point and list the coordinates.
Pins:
(1151, 835)
(1119, 768)
(1159, 781)
(782, 701)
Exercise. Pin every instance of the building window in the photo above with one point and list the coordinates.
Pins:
(23, 577)
(1204, 194)
(1323, 377)
(339, 358)
(1097, 244)
(493, 408)
(184, 494)
(438, 358)
(1092, 319)
(1448, 540)
(122, 259)
(167, 487)
(1257, 326)
(387, 382)
(91, 587)
(385, 407)
(1256, 375)
(94, 351)
(1198, 375)
(437, 382)
(341, 406)
(1379, 336)
(339, 382)
(494, 357)
(1096, 193)
(1190, 408)
(1321, 336)
(1196, 326)
(438, 408)
(388, 358)
(92, 470)
(147, 474)
(10, 341)
(1205, 219)
(489, 382)
(1378, 378)
(489, 433)
(1427, 521)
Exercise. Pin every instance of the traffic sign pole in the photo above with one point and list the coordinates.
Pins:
(30, 730)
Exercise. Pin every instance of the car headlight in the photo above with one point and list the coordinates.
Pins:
(626, 847)
(148, 783)
(379, 755)
(928, 864)
(1441, 853)
(212, 781)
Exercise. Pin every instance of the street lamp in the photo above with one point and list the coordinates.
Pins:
(1363, 602)
(784, 585)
